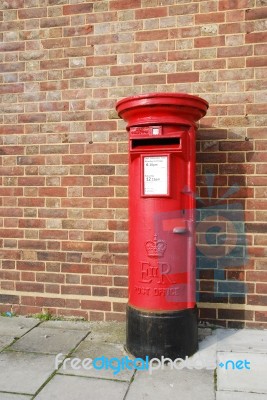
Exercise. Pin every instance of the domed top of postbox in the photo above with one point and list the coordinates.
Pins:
(162, 108)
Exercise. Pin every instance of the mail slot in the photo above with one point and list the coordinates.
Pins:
(161, 311)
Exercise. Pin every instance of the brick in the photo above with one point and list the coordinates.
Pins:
(256, 276)
(183, 9)
(56, 43)
(50, 256)
(11, 129)
(12, 88)
(210, 41)
(54, 106)
(232, 28)
(52, 192)
(77, 159)
(124, 4)
(256, 62)
(31, 223)
(260, 49)
(96, 280)
(30, 266)
(256, 37)
(29, 287)
(98, 192)
(54, 22)
(101, 60)
(53, 85)
(257, 13)
(236, 145)
(152, 35)
(209, 64)
(32, 13)
(257, 300)
(235, 74)
(115, 317)
(235, 51)
(119, 307)
(231, 169)
(256, 108)
(11, 192)
(30, 202)
(261, 316)
(149, 79)
(9, 299)
(183, 77)
(76, 181)
(8, 67)
(96, 305)
(49, 302)
(53, 234)
(76, 268)
(78, 31)
(31, 118)
(183, 55)
(101, 126)
(76, 289)
(77, 8)
(126, 70)
(11, 233)
(234, 4)
(52, 213)
(14, 4)
(150, 57)
(80, 203)
(120, 281)
(118, 292)
(211, 158)
(12, 46)
(209, 18)
(260, 73)
(151, 13)
(29, 160)
(53, 278)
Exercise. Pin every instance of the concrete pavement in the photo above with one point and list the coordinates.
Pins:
(54, 360)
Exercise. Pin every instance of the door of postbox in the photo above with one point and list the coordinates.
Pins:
(161, 272)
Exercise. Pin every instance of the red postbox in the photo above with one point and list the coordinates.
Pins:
(161, 312)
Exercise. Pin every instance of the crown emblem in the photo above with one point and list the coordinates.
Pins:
(156, 248)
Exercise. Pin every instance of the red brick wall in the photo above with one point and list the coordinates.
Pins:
(64, 64)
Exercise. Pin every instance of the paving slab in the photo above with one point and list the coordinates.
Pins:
(243, 380)
(73, 325)
(172, 384)
(108, 332)
(207, 352)
(10, 396)
(239, 396)
(16, 326)
(5, 341)
(80, 388)
(95, 350)
(247, 340)
(49, 340)
(24, 372)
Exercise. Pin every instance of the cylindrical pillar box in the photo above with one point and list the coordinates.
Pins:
(161, 312)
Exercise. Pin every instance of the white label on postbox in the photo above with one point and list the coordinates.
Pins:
(156, 175)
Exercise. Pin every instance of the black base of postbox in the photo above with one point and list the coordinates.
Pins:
(168, 334)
